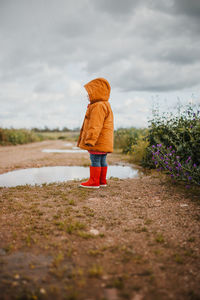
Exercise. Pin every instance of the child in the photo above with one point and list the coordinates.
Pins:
(96, 134)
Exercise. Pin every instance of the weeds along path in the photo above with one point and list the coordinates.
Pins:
(135, 239)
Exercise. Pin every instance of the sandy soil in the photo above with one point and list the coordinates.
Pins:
(136, 239)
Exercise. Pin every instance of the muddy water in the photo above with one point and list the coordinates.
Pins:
(47, 175)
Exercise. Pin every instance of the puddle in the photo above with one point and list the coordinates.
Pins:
(64, 150)
(47, 175)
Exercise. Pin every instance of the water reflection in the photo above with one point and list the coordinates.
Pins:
(42, 175)
(64, 150)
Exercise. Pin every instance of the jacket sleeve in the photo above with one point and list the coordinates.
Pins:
(97, 116)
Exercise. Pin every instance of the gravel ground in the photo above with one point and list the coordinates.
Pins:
(136, 239)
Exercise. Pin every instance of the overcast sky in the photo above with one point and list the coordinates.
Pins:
(149, 51)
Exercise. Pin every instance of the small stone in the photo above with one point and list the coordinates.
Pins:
(93, 199)
(15, 283)
(94, 231)
(183, 205)
(16, 276)
(31, 266)
(42, 291)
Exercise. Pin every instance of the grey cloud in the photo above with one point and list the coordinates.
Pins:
(189, 8)
(150, 46)
(184, 7)
(117, 7)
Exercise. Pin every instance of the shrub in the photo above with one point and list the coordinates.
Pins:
(126, 138)
(18, 136)
(174, 145)
(139, 150)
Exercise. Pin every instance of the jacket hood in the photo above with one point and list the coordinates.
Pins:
(98, 89)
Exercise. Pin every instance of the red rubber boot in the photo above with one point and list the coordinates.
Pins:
(94, 179)
(103, 181)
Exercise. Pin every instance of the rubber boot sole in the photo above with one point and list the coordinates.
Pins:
(89, 187)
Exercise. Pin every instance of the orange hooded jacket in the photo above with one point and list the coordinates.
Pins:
(97, 129)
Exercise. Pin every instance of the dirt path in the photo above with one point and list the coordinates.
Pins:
(31, 155)
(136, 239)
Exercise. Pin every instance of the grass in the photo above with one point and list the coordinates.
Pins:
(95, 252)
(148, 221)
(159, 238)
(178, 258)
(68, 136)
(95, 271)
(85, 235)
(18, 136)
(72, 202)
(74, 226)
(23, 136)
(117, 283)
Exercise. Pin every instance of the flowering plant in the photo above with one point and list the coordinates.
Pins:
(167, 160)
(174, 144)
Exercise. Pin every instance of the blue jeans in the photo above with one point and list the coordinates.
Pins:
(98, 160)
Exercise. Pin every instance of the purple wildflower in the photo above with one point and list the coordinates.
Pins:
(194, 165)
(189, 158)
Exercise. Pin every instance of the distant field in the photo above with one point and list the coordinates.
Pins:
(70, 135)
(24, 136)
